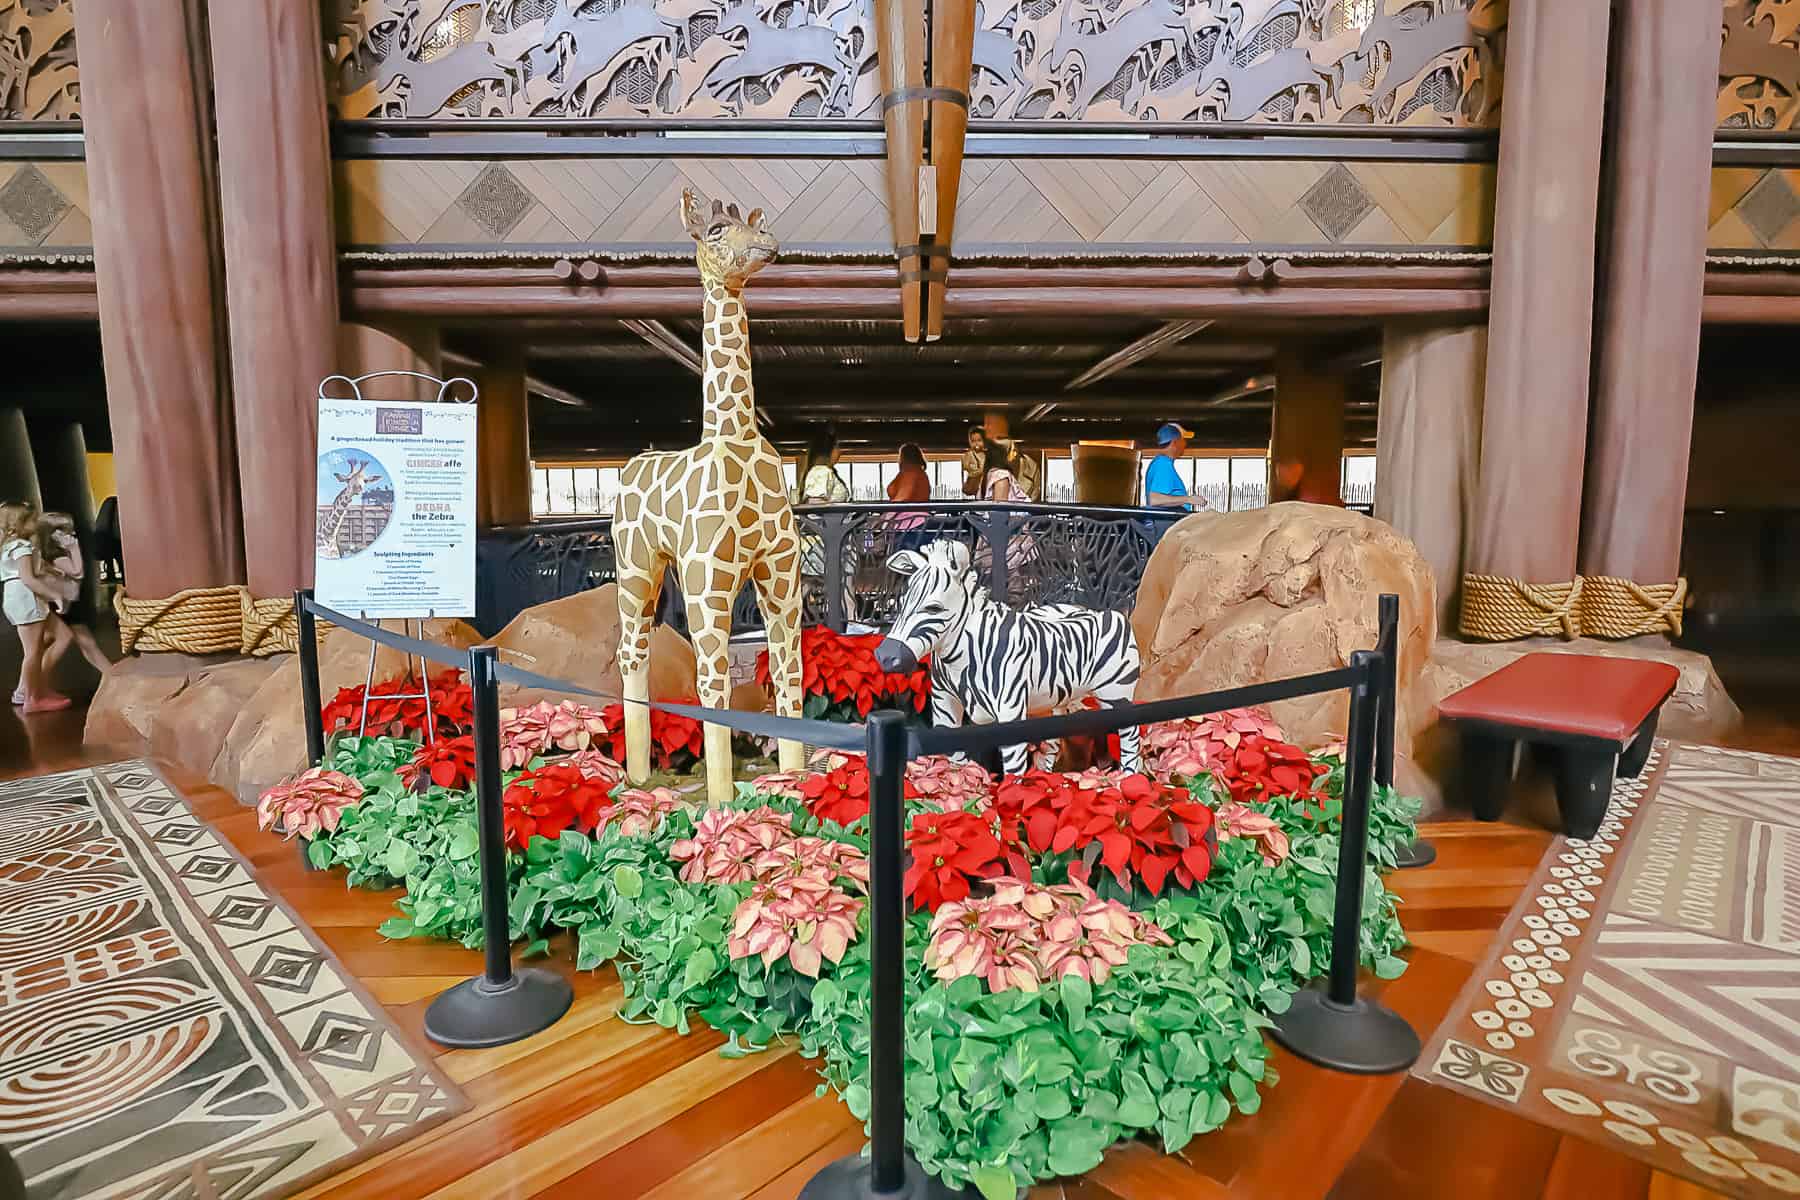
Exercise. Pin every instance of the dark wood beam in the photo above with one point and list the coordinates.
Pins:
(1154, 342)
(900, 58)
(952, 24)
(665, 340)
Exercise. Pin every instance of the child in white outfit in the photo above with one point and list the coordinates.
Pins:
(57, 545)
(25, 597)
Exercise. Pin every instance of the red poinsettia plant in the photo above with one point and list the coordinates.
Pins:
(1138, 829)
(840, 794)
(677, 743)
(953, 851)
(843, 682)
(554, 797)
(447, 763)
(452, 707)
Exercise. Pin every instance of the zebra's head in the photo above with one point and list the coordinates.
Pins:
(939, 593)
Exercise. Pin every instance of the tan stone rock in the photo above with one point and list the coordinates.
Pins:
(189, 728)
(267, 741)
(577, 638)
(120, 715)
(1237, 598)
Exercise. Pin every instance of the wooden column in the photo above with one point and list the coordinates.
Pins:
(900, 24)
(503, 476)
(1306, 439)
(364, 349)
(1660, 174)
(18, 466)
(1428, 445)
(1534, 424)
(280, 269)
(952, 63)
(147, 127)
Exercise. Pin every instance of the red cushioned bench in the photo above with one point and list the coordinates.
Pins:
(1596, 716)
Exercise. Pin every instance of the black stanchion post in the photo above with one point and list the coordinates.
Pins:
(307, 639)
(502, 1005)
(310, 701)
(1335, 1028)
(888, 1171)
(1418, 853)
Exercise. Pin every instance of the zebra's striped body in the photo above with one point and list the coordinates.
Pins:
(991, 663)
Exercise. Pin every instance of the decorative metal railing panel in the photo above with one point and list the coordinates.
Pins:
(1030, 554)
(1363, 62)
(1759, 66)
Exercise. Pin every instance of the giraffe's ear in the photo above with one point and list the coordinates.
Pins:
(691, 215)
(906, 562)
(755, 219)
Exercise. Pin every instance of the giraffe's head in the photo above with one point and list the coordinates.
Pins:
(358, 478)
(729, 248)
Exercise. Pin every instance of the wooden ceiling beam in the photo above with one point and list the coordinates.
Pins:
(1154, 342)
(667, 341)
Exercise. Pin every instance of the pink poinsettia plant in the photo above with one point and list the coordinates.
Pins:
(801, 918)
(640, 813)
(597, 765)
(1242, 821)
(311, 803)
(728, 843)
(527, 732)
(1191, 747)
(1023, 935)
(947, 785)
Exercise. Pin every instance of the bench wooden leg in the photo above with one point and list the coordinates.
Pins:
(1584, 781)
(1487, 764)
(1631, 763)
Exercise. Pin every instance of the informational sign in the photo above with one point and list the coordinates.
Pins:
(395, 532)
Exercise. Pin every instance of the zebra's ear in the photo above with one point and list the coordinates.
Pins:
(960, 557)
(906, 562)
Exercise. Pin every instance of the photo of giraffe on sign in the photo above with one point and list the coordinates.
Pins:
(394, 529)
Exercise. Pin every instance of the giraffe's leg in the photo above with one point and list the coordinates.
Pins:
(640, 579)
(709, 626)
(776, 575)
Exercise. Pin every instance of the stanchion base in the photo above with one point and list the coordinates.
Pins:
(849, 1179)
(476, 1013)
(1361, 1039)
(1417, 853)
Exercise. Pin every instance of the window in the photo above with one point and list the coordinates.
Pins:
(1249, 483)
(1059, 481)
(1359, 481)
(946, 478)
(585, 491)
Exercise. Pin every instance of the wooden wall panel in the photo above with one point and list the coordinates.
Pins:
(842, 203)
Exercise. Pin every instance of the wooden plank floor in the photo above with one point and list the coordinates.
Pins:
(596, 1106)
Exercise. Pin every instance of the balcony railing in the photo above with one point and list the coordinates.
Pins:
(1027, 553)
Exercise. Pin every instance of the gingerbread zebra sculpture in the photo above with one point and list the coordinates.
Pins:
(991, 663)
(718, 513)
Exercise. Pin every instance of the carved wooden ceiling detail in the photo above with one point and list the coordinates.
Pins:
(38, 78)
(604, 58)
(1388, 62)
(1401, 62)
(1759, 65)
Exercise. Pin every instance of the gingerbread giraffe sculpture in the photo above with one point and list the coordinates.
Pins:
(718, 513)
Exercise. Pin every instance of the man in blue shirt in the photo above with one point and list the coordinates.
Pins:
(1163, 485)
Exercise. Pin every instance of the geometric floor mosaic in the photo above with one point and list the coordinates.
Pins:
(168, 1029)
(1645, 992)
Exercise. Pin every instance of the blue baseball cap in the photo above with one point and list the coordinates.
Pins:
(1168, 433)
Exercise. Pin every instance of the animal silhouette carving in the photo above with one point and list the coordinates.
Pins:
(718, 513)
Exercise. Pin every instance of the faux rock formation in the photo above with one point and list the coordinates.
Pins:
(174, 707)
(577, 639)
(1230, 599)
(267, 741)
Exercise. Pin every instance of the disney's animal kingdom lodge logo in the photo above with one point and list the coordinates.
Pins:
(400, 420)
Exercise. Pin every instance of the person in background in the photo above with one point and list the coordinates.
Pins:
(25, 598)
(819, 482)
(974, 463)
(1163, 485)
(1025, 466)
(1000, 484)
(910, 486)
(57, 545)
